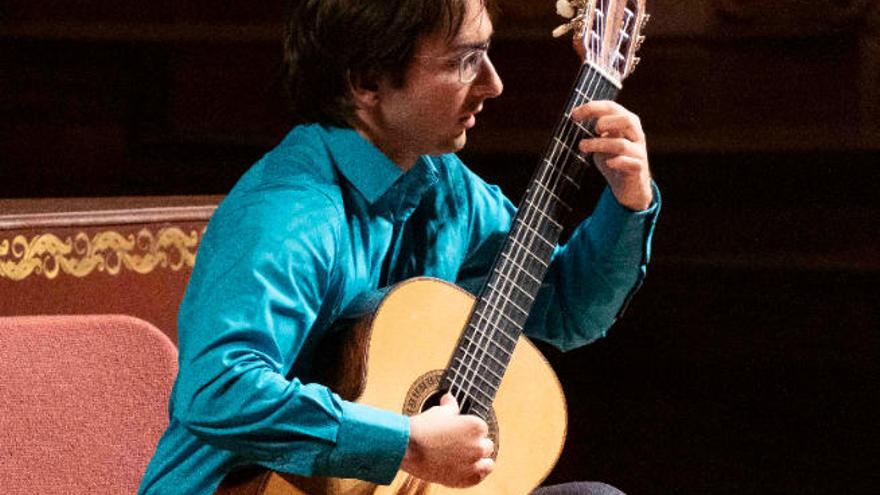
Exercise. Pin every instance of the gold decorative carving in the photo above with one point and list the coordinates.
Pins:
(110, 252)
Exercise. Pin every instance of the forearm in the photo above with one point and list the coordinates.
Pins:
(253, 410)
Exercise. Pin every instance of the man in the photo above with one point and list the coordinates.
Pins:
(364, 195)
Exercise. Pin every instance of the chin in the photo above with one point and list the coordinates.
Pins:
(453, 144)
(459, 142)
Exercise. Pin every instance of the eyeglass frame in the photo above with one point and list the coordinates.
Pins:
(483, 54)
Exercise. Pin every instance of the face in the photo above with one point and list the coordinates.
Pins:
(431, 113)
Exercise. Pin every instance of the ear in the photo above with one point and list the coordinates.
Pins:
(364, 90)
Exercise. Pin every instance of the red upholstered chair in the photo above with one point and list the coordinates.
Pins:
(83, 402)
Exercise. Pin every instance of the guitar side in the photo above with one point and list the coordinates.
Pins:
(408, 344)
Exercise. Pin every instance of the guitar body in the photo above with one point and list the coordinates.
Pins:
(393, 362)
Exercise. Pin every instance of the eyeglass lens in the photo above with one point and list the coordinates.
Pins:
(471, 65)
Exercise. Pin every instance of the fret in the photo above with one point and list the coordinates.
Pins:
(586, 96)
(477, 408)
(589, 132)
(502, 331)
(476, 332)
(610, 82)
(478, 389)
(490, 356)
(514, 282)
(588, 83)
(565, 176)
(564, 154)
(468, 387)
(549, 181)
(554, 196)
(527, 252)
(554, 168)
(511, 301)
(543, 214)
(471, 373)
(573, 153)
(524, 292)
(513, 322)
(490, 370)
(520, 221)
(482, 414)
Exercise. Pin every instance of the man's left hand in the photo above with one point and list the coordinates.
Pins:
(620, 151)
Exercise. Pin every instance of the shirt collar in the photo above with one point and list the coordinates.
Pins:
(360, 162)
(405, 195)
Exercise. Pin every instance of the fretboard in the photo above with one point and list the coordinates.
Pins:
(500, 312)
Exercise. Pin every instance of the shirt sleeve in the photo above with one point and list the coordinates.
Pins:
(591, 278)
(264, 276)
(595, 274)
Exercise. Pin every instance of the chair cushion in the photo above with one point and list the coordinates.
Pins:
(84, 402)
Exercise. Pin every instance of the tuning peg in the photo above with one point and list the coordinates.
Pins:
(565, 9)
(645, 21)
(561, 30)
(634, 64)
(639, 41)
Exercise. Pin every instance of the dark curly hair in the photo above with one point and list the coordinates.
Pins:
(328, 43)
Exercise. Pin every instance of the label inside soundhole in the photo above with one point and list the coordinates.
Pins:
(424, 394)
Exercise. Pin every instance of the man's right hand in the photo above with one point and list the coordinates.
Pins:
(447, 447)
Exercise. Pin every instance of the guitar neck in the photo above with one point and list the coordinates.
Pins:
(500, 312)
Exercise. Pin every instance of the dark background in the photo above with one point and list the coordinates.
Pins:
(748, 362)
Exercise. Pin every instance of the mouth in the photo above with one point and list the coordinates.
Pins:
(469, 119)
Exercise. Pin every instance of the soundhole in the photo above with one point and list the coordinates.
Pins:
(432, 400)
(425, 393)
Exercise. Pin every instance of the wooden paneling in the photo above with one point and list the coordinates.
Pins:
(100, 255)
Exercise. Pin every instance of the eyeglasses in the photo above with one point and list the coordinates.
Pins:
(469, 64)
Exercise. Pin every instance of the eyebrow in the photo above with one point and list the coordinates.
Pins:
(476, 45)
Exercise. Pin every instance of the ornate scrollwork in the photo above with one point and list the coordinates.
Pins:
(110, 252)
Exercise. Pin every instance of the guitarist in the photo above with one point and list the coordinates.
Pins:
(364, 193)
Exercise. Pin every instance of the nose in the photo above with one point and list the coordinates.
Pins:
(488, 82)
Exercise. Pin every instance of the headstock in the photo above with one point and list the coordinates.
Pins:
(607, 32)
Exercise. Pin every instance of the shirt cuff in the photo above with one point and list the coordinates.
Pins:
(370, 444)
(618, 230)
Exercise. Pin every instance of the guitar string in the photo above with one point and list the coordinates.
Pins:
(628, 15)
(567, 150)
(542, 199)
(492, 309)
(486, 338)
(512, 280)
(507, 279)
(601, 25)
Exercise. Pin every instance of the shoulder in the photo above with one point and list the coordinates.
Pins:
(291, 195)
(270, 218)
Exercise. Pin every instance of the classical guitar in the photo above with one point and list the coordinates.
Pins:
(473, 347)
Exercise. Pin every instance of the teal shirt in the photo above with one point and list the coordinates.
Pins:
(322, 219)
